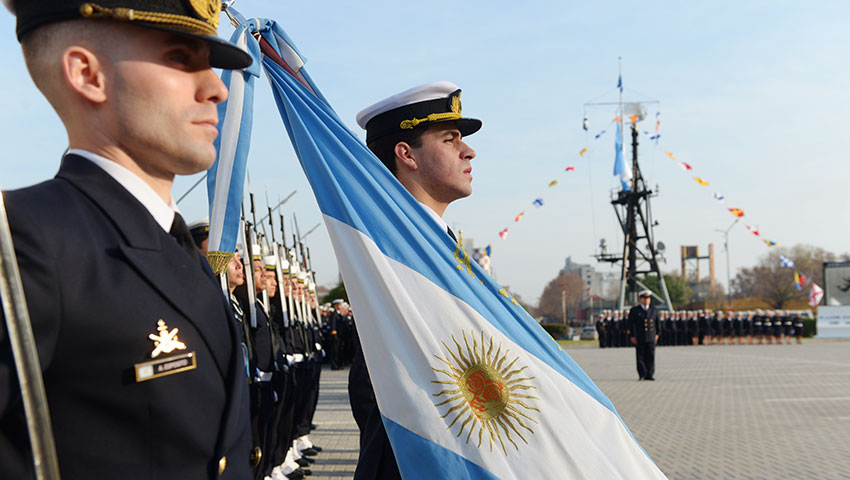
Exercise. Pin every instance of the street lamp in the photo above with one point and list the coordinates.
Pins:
(726, 247)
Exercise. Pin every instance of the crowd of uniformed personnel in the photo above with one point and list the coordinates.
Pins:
(282, 344)
(706, 327)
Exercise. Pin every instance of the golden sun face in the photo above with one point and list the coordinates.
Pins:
(488, 392)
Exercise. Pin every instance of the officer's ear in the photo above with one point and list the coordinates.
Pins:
(84, 74)
(404, 158)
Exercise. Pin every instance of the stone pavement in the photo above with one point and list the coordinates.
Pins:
(337, 433)
(714, 412)
(735, 411)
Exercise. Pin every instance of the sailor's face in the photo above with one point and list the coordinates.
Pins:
(445, 163)
(271, 283)
(163, 96)
(287, 286)
(259, 276)
(235, 272)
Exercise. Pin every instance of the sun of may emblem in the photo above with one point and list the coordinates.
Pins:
(488, 392)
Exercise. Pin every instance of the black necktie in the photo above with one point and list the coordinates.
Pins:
(180, 232)
(451, 233)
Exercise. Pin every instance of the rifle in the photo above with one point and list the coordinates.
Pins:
(248, 265)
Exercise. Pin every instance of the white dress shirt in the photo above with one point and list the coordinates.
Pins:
(162, 212)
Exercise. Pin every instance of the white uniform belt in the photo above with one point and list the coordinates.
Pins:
(263, 376)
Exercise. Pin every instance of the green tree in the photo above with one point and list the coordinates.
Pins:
(336, 292)
(679, 289)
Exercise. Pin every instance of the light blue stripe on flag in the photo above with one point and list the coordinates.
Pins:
(353, 186)
(422, 458)
(356, 192)
(226, 178)
(621, 169)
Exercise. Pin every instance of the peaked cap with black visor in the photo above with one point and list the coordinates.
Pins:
(192, 18)
(420, 106)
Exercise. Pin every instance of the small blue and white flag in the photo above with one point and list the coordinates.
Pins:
(620, 83)
(785, 262)
(226, 178)
(468, 384)
(719, 197)
(622, 168)
(585, 124)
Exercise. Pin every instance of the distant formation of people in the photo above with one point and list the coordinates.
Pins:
(706, 327)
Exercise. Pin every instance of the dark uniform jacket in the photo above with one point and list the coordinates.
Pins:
(99, 273)
(643, 324)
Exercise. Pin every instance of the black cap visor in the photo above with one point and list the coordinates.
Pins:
(467, 126)
(223, 54)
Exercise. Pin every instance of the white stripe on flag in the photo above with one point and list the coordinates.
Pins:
(404, 318)
(229, 140)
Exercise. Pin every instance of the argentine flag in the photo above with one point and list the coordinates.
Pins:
(622, 169)
(469, 385)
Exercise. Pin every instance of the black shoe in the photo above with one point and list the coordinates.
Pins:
(302, 462)
(310, 452)
(296, 474)
(313, 426)
(316, 448)
(307, 472)
(650, 379)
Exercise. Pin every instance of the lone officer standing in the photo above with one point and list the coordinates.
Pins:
(140, 353)
(642, 327)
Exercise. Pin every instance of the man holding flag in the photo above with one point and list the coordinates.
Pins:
(467, 384)
(429, 157)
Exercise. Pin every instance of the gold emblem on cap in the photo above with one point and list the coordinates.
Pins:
(456, 108)
(209, 10)
(454, 114)
(166, 341)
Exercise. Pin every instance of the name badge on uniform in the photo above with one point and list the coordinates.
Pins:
(165, 341)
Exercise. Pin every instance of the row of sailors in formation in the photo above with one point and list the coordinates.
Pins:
(705, 327)
(282, 346)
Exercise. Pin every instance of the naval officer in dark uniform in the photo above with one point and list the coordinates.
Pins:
(642, 326)
(139, 350)
(418, 135)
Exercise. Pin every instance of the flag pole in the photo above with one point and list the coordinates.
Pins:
(24, 350)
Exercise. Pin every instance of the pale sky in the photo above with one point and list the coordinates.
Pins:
(752, 96)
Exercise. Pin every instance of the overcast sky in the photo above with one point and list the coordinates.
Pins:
(752, 96)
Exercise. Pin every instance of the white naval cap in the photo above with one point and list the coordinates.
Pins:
(284, 265)
(645, 293)
(424, 104)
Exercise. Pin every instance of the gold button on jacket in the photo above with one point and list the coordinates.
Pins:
(256, 456)
(222, 465)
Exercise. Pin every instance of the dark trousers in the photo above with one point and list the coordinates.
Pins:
(333, 353)
(313, 402)
(304, 399)
(262, 412)
(284, 384)
(376, 461)
(645, 352)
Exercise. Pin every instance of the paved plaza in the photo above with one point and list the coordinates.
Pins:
(715, 412)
